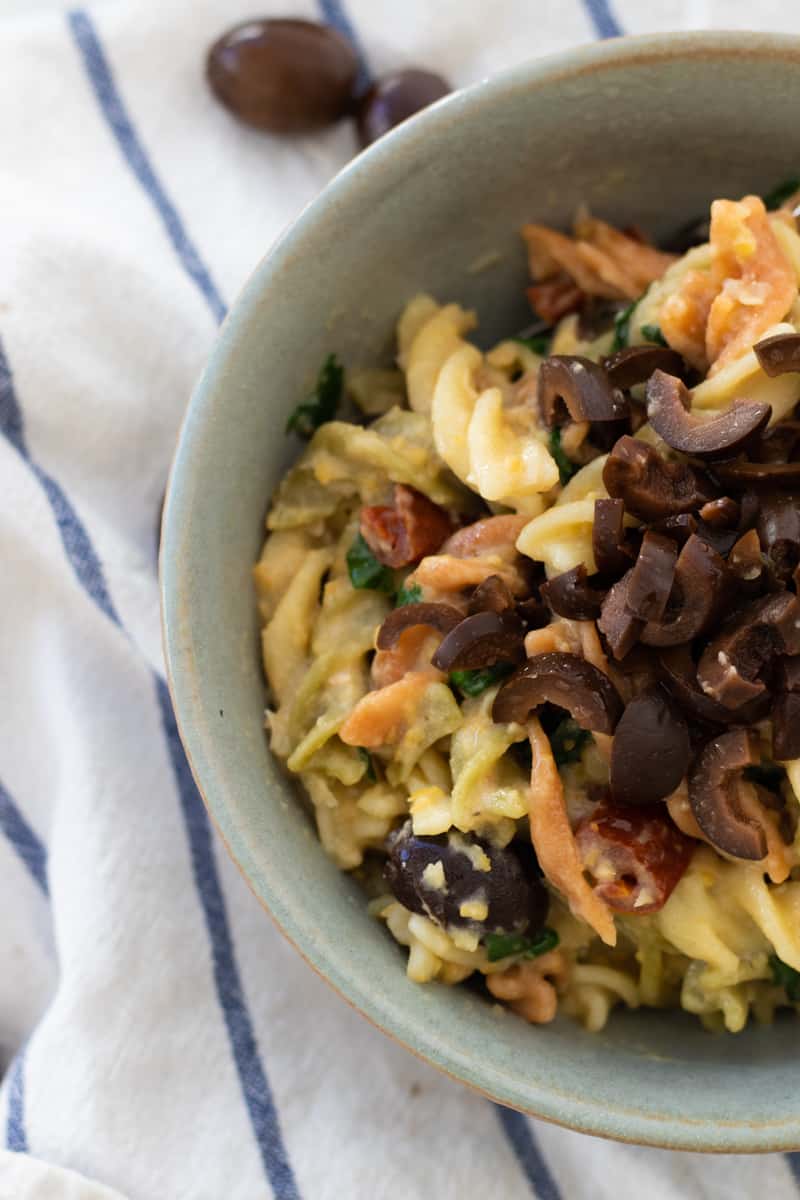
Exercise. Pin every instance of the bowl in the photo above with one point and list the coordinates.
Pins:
(644, 130)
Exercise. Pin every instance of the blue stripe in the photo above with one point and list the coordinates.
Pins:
(605, 23)
(255, 1088)
(518, 1130)
(75, 540)
(335, 14)
(113, 108)
(78, 548)
(16, 1137)
(26, 843)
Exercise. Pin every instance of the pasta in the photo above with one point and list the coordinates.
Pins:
(495, 448)
(495, 606)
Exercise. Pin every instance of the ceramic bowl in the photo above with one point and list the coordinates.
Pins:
(642, 130)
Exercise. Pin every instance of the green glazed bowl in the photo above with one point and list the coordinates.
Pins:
(644, 130)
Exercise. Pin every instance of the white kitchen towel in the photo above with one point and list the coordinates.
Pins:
(160, 1040)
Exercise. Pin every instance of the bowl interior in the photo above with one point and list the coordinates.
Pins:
(646, 131)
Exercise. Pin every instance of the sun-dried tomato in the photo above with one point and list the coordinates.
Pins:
(403, 533)
(634, 856)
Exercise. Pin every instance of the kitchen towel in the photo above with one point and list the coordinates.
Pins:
(159, 1039)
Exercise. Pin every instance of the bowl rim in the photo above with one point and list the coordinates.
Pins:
(543, 1101)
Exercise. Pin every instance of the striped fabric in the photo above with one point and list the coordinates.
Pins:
(158, 1038)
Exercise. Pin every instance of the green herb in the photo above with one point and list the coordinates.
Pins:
(622, 322)
(785, 976)
(566, 467)
(502, 945)
(782, 192)
(472, 683)
(652, 333)
(539, 343)
(567, 741)
(364, 569)
(321, 405)
(769, 775)
(366, 758)
(408, 595)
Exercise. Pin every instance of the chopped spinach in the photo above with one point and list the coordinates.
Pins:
(366, 758)
(502, 945)
(539, 343)
(473, 683)
(782, 192)
(566, 467)
(652, 333)
(567, 741)
(786, 977)
(622, 322)
(769, 775)
(321, 405)
(364, 569)
(408, 595)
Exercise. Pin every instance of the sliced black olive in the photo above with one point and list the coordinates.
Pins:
(779, 443)
(650, 753)
(713, 795)
(700, 577)
(443, 617)
(620, 628)
(635, 364)
(786, 726)
(679, 675)
(574, 388)
(786, 710)
(532, 613)
(732, 663)
(778, 529)
(652, 576)
(482, 640)
(564, 680)
(651, 487)
(787, 674)
(778, 354)
(570, 595)
(722, 436)
(493, 595)
(611, 553)
(741, 473)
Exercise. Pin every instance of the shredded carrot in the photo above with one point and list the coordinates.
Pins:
(716, 316)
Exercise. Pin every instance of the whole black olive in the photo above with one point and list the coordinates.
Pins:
(395, 97)
(283, 75)
(458, 880)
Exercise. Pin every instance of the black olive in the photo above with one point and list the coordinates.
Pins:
(514, 894)
(283, 75)
(395, 97)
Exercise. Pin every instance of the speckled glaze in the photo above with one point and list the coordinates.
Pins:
(645, 130)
